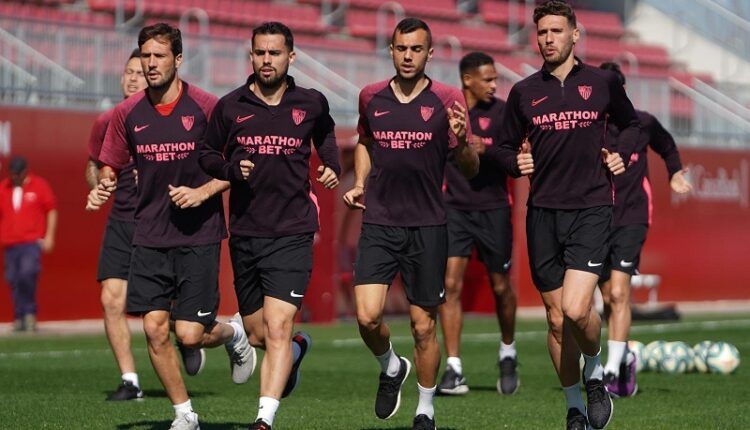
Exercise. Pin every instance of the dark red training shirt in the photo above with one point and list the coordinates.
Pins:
(165, 150)
(123, 208)
(277, 199)
(410, 145)
(566, 125)
(489, 188)
(633, 203)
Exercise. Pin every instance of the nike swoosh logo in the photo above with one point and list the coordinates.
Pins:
(442, 293)
(244, 118)
(203, 314)
(624, 263)
(594, 265)
(139, 128)
(293, 294)
(536, 102)
(378, 114)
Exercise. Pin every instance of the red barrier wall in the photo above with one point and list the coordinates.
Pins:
(697, 244)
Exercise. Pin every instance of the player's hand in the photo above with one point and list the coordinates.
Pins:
(524, 159)
(47, 244)
(353, 197)
(135, 176)
(457, 120)
(476, 143)
(679, 182)
(93, 202)
(186, 197)
(327, 177)
(613, 161)
(246, 166)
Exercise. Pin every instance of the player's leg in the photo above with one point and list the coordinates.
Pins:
(451, 322)
(11, 260)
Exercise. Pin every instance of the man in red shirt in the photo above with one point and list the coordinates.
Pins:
(28, 220)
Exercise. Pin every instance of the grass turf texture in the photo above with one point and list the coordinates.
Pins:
(60, 382)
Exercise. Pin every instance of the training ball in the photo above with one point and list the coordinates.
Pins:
(676, 358)
(637, 349)
(652, 355)
(722, 357)
(699, 360)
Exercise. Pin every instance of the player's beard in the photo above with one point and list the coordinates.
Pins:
(274, 81)
(164, 83)
(565, 53)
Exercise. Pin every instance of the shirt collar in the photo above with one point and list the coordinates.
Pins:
(579, 65)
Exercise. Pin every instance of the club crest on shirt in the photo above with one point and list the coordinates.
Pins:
(187, 122)
(298, 115)
(426, 112)
(484, 122)
(585, 91)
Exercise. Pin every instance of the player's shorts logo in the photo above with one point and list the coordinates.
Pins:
(187, 121)
(426, 112)
(484, 122)
(585, 91)
(298, 115)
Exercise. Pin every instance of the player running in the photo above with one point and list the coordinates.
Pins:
(553, 130)
(179, 218)
(479, 215)
(259, 138)
(407, 127)
(632, 217)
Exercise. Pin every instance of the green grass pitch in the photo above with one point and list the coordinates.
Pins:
(60, 382)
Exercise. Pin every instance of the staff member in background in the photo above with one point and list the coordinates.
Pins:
(28, 220)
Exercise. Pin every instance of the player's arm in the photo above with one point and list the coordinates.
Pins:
(324, 139)
(214, 147)
(114, 156)
(187, 197)
(362, 165)
(512, 150)
(91, 173)
(48, 242)
(623, 116)
(662, 142)
(467, 158)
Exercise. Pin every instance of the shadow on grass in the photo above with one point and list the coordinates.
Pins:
(157, 394)
(396, 428)
(161, 425)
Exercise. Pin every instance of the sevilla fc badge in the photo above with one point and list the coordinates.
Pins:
(484, 122)
(584, 91)
(298, 115)
(187, 122)
(427, 112)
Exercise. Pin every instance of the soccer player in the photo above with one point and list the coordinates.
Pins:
(632, 217)
(407, 126)
(259, 138)
(179, 217)
(553, 129)
(114, 257)
(479, 214)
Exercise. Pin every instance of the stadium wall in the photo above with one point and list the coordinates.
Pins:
(697, 244)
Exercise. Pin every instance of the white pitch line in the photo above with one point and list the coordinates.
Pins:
(469, 337)
(639, 329)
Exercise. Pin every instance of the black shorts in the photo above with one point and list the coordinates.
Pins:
(625, 244)
(491, 231)
(117, 247)
(419, 253)
(182, 280)
(561, 239)
(278, 267)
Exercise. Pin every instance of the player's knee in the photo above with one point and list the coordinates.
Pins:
(112, 304)
(502, 288)
(368, 321)
(453, 287)
(156, 331)
(577, 313)
(423, 331)
(190, 339)
(619, 296)
(555, 322)
(277, 330)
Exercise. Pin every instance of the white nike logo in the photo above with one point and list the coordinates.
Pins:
(203, 314)
(139, 128)
(624, 263)
(442, 293)
(378, 114)
(594, 265)
(293, 294)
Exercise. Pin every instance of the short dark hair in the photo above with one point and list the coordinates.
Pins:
(135, 54)
(615, 68)
(555, 7)
(408, 25)
(17, 165)
(162, 30)
(275, 27)
(473, 61)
